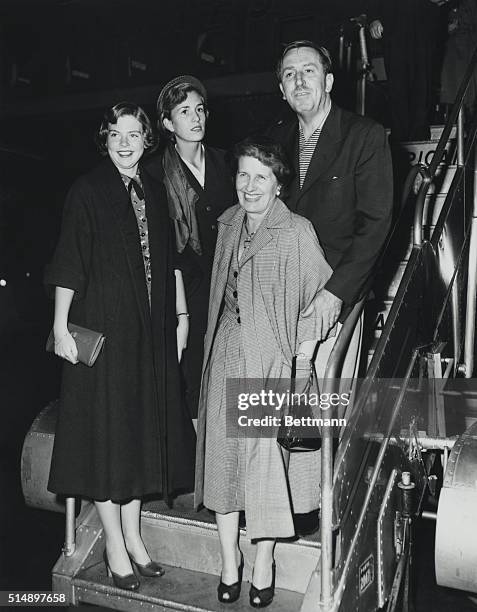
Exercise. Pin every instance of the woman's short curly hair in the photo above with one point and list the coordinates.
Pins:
(269, 153)
(123, 109)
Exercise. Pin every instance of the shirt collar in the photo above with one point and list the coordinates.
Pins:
(317, 130)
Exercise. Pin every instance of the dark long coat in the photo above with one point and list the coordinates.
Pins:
(122, 429)
(213, 199)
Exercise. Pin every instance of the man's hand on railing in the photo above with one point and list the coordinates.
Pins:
(327, 307)
(376, 29)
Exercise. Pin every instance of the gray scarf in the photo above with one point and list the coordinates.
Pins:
(182, 200)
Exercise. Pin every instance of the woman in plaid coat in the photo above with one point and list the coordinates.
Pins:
(267, 269)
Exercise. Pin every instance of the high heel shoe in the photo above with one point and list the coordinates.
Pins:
(265, 596)
(128, 582)
(149, 570)
(232, 590)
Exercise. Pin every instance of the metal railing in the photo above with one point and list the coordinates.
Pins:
(329, 599)
(331, 379)
(428, 173)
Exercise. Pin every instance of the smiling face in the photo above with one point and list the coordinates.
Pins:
(256, 186)
(304, 84)
(188, 119)
(125, 144)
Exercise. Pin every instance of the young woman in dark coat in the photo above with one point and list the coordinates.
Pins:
(199, 188)
(122, 432)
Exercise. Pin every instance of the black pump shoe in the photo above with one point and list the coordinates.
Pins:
(149, 570)
(265, 596)
(128, 582)
(232, 590)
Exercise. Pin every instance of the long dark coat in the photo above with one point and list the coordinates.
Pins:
(216, 196)
(122, 429)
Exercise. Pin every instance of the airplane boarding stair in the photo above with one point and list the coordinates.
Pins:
(375, 480)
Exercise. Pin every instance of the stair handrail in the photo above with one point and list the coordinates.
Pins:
(427, 173)
(340, 586)
(331, 377)
(455, 115)
(466, 368)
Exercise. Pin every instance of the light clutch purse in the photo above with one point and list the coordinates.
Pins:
(88, 342)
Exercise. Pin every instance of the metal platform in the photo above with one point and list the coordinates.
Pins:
(186, 544)
(174, 591)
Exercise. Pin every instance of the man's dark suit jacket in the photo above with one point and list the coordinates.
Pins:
(347, 195)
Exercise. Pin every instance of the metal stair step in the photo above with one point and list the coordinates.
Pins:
(178, 589)
(189, 540)
(189, 550)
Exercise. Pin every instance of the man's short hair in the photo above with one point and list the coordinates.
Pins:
(324, 54)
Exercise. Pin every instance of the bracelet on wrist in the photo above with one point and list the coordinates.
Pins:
(182, 314)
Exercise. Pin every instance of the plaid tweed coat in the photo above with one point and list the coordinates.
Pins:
(279, 275)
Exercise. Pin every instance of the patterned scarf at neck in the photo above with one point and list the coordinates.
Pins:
(182, 200)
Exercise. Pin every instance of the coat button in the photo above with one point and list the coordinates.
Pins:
(208, 208)
(237, 310)
(235, 294)
(235, 274)
(213, 227)
(238, 320)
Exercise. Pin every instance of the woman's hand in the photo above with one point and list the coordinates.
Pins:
(182, 334)
(65, 347)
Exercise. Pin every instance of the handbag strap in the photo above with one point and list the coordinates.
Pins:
(312, 377)
(293, 375)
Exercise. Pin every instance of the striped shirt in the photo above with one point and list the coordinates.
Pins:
(306, 148)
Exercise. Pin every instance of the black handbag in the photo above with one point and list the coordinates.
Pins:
(88, 342)
(299, 437)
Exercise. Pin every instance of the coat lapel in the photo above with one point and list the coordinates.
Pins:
(118, 198)
(324, 154)
(291, 148)
(277, 217)
(158, 226)
(325, 151)
(260, 240)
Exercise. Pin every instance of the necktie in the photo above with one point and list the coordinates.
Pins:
(133, 184)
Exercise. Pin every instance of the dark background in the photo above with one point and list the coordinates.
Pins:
(62, 62)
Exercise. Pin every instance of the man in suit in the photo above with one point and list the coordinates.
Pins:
(343, 184)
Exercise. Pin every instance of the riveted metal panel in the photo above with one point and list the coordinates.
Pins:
(386, 554)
